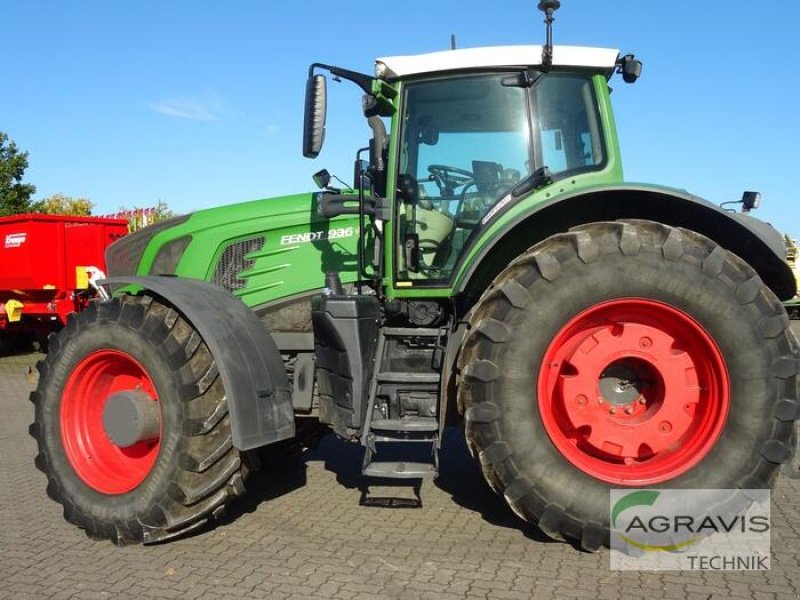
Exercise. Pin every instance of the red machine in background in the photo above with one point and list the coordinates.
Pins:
(48, 264)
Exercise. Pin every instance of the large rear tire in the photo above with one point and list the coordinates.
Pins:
(625, 355)
(170, 479)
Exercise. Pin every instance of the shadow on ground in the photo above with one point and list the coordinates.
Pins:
(459, 476)
(13, 344)
(266, 484)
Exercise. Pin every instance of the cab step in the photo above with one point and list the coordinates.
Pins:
(406, 429)
(406, 425)
(400, 470)
(400, 377)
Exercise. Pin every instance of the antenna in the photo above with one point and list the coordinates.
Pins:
(548, 7)
(452, 41)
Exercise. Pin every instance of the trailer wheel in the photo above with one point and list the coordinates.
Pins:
(626, 354)
(132, 424)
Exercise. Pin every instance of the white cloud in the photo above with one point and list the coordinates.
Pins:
(199, 108)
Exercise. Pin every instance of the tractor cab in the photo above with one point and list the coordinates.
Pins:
(471, 138)
(472, 132)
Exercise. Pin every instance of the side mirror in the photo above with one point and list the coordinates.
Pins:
(429, 135)
(316, 108)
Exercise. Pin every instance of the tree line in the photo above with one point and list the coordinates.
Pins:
(16, 196)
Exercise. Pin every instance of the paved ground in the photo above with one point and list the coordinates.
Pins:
(302, 534)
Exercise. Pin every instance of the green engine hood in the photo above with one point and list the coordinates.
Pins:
(261, 251)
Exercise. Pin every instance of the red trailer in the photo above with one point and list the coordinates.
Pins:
(48, 264)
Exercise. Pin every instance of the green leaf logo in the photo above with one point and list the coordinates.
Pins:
(640, 498)
(645, 498)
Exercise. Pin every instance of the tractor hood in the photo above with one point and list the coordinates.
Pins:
(261, 251)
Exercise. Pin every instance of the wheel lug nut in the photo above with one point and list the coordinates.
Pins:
(581, 399)
(612, 410)
(629, 410)
(642, 400)
(665, 427)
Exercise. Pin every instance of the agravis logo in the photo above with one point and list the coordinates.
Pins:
(692, 529)
(636, 527)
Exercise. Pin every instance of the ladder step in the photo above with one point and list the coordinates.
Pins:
(389, 502)
(406, 424)
(404, 437)
(400, 470)
(398, 377)
(410, 331)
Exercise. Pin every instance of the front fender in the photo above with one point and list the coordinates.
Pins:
(256, 386)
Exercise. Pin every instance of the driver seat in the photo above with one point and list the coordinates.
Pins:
(433, 228)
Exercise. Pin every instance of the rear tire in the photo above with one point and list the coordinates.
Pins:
(653, 303)
(158, 488)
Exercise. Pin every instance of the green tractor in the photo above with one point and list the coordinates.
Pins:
(489, 266)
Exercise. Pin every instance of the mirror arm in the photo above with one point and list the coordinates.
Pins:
(361, 80)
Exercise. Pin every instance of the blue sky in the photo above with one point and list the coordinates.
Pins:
(200, 103)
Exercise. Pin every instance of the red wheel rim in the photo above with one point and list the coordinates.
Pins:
(101, 464)
(633, 392)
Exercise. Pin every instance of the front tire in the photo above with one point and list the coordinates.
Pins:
(625, 355)
(181, 472)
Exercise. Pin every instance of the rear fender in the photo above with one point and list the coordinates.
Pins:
(758, 243)
(257, 388)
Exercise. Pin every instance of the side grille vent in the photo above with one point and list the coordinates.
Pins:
(233, 261)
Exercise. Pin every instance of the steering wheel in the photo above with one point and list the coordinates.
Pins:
(447, 178)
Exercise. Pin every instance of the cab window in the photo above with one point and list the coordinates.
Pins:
(466, 142)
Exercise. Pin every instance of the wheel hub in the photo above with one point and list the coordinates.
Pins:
(130, 417)
(621, 383)
(633, 392)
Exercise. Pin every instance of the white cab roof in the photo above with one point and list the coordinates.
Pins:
(393, 67)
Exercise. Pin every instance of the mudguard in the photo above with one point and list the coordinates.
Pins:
(257, 388)
(758, 243)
